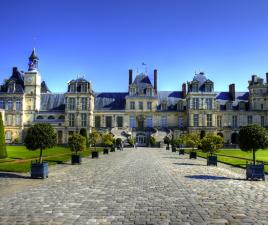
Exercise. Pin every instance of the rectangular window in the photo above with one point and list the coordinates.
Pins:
(84, 103)
(71, 119)
(209, 120)
(132, 105)
(132, 122)
(18, 105)
(180, 121)
(196, 120)
(119, 121)
(18, 120)
(2, 104)
(209, 103)
(83, 88)
(234, 121)
(83, 119)
(262, 121)
(108, 121)
(141, 105)
(249, 119)
(149, 105)
(164, 106)
(195, 103)
(72, 88)
(163, 122)
(71, 103)
(97, 121)
(219, 121)
(149, 121)
(9, 105)
(9, 120)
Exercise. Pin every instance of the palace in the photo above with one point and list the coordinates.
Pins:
(142, 111)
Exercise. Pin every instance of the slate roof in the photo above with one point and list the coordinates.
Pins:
(142, 81)
(224, 97)
(170, 97)
(44, 88)
(52, 102)
(110, 100)
(17, 77)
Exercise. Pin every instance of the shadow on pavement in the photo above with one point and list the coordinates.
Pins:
(209, 177)
(13, 175)
(189, 164)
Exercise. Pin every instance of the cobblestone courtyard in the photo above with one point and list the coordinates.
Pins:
(136, 186)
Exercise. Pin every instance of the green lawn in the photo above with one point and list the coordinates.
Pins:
(19, 158)
(228, 156)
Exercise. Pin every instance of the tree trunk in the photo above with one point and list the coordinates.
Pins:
(254, 158)
(41, 153)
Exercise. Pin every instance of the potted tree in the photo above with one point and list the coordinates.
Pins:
(173, 144)
(77, 143)
(83, 132)
(118, 143)
(152, 141)
(94, 138)
(252, 138)
(167, 142)
(193, 141)
(210, 144)
(40, 136)
(3, 150)
(131, 141)
(107, 140)
(179, 142)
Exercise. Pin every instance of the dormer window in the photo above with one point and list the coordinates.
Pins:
(149, 91)
(72, 87)
(208, 88)
(229, 106)
(11, 87)
(242, 106)
(132, 91)
(180, 106)
(195, 87)
(83, 88)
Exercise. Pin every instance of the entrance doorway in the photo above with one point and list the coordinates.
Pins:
(141, 140)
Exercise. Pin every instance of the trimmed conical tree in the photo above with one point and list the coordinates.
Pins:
(3, 150)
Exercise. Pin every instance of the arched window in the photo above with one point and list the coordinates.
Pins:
(39, 117)
(61, 117)
(51, 117)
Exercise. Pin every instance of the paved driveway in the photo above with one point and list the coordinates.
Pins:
(136, 186)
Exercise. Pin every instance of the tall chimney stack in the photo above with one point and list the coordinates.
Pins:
(130, 72)
(155, 80)
(232, 91)
(183, 90)
(266, 78)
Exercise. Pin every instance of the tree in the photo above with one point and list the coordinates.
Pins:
(252, 138)
(107, 140)
(94, 138)
(77, 143)
(211, 143)
(167, 140)
(40, 136)
(152, 141)
(193, 140)
(179, 140)
(3, 150)
(83, 132)
(130, 141)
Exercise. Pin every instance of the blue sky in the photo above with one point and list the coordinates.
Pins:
(102, 39)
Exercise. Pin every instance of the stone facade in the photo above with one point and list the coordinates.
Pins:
(141, 112)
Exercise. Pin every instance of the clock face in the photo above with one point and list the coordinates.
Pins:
(29, 79)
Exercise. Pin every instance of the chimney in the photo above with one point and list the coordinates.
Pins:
(15, 69)
(232, 91)
(183, 90)
(130, 72)
(266, 78)
(155, 80)
(254, 79)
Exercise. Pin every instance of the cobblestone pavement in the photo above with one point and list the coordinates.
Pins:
(136, 186)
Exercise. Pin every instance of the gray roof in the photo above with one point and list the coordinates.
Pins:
(142, 81)
(224, 97)
(52, 102)
(110, 100)
(170, 97)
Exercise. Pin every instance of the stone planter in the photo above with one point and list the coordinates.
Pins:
(181, 152)
(193, 155)
(112, 149)
(95, 154)
(76, 159)
(105, 151)
(167, 147)
(39, 170)
(212, 160)
(254, 172)
(173, 149)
